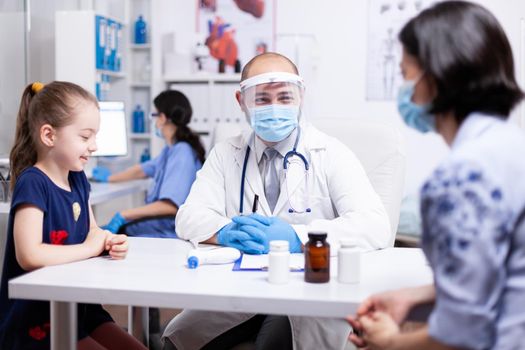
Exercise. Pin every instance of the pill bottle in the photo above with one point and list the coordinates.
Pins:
(317, 258)
(279, 262)
(348, 262)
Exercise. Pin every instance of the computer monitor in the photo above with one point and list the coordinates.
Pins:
(112, 137)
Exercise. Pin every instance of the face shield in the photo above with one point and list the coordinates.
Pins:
(272, 103)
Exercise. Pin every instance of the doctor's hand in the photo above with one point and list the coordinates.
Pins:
(116, 222)
(101, 174)
(268, 229)
(231, 236)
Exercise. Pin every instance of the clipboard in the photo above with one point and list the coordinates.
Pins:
(248, 262)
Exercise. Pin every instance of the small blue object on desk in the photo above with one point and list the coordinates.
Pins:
(212, 256)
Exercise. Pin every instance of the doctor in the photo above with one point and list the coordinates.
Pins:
(305, 181)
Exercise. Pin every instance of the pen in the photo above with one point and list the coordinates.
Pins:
(255, 203)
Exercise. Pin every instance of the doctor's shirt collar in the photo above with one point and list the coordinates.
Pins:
(282, 147)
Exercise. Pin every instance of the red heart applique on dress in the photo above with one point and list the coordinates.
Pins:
(58, 237)
(37, 333)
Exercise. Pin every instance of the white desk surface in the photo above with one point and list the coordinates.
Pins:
(154, 274)
(102, 192)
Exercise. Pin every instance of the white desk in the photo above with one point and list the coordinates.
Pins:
(154, 274)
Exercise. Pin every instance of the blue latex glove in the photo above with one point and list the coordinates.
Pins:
(231, 236)
(269, 229)
(116, 222)
(101, 174)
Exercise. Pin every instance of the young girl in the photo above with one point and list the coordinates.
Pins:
(50, 221)
(173, 171)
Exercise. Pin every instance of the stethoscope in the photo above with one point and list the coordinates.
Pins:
(291, 153)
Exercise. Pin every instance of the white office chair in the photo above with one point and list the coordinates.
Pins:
(223, 131)
(381, 149)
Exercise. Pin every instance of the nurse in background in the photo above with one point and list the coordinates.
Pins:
(460, 82)
(173, 171)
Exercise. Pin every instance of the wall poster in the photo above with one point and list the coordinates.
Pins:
(234, 31)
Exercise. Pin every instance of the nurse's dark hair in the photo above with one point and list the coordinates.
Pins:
(177, 109)
(464, 50)
(55, 104)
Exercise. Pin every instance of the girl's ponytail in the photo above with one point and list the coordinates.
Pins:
(24, 152)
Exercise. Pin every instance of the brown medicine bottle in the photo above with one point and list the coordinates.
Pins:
(317, 258)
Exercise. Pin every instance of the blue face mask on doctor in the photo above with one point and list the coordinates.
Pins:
(414, 115)
(274, 122)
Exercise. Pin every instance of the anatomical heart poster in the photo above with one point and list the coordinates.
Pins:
(233, 32)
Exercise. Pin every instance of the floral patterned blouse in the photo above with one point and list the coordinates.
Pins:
(469, 207)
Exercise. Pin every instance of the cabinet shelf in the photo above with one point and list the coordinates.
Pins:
(203, 78)
(140, 136)
(140, 85)
(140, 46)
(111, 73)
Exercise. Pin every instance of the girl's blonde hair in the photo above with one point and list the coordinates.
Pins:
(52, 104)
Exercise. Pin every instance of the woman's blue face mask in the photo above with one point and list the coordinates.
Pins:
(158, 132)
(414, 115)
(273, 123)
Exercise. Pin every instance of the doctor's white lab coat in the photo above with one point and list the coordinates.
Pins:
(342, 201)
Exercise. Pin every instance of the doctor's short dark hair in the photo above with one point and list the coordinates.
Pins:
(465, 51)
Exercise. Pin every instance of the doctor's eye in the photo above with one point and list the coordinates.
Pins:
(285, 97)
(262, 100)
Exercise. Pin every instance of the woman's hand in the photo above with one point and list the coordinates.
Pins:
(396, 304)
(356, 337)
(379, 330)
(116, 245)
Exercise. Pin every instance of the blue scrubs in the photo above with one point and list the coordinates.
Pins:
(25, 324)
(173, 172)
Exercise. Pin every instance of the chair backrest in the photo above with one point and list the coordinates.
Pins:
(223, 131)
(381, 149)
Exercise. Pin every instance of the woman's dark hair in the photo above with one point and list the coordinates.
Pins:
(54, 104)
(464, 49)
(177, 109)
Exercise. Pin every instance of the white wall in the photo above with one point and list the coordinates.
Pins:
(335, 88)
(338, 85)
(12, 74)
